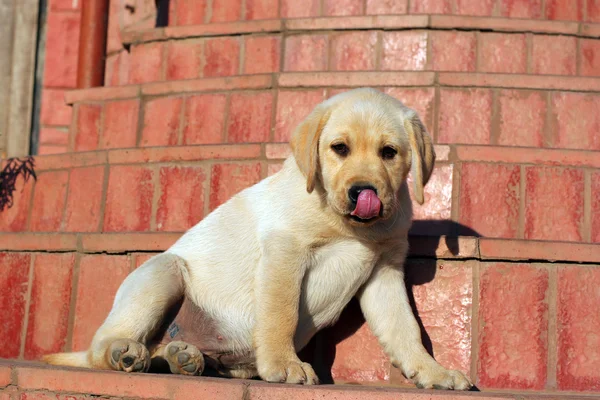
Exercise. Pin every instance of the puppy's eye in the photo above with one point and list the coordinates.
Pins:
(341, 149)
(387, 153)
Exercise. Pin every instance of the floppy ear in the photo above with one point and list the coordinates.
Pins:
(305, 143)
(423, 154)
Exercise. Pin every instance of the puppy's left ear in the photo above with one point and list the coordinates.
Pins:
(423, 154)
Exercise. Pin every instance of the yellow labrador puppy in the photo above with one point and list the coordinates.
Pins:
(247, 287)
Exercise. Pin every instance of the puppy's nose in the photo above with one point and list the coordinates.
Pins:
(355, 190)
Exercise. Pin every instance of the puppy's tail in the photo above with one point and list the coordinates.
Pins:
(78, 359)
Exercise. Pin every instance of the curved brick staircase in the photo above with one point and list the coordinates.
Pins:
(505, 254)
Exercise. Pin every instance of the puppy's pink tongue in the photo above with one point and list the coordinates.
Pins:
(367, 205)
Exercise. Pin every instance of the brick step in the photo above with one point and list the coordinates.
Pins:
(32, 381)
(490, 191)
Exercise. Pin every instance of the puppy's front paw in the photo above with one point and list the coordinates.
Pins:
(288, 371)
(434, 376)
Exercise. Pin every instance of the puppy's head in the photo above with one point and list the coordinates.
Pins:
(358, 147)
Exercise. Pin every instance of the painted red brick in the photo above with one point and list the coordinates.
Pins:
(513, 327)
(187, 12)
(521, 8)
(296, 9)
(354, 51)
(453, 51)
(261, 54)
(570, 10)
(503, 53)
(438, 195)
(596, 207)
(593, 11)
(181, 204)
(14, 278)
(60, 63)
(146, 63)
(113, 34)
(342, 7)
(229, 179)
(262, 9)
(49, 201)
(444, 307)
(162, 118)
(575, 121)
(457, 126)
(481, 8)
(292, 108)
(272, 169)
(131, 212)
(431, 7)
(590, 57)
(99, 278)
(52, 136)
(552, 214)
(578, 326)
(250, 117)
(489, 199)
(141, 258)
(84, 199)
(54, 109)
(14, 219)
(204, 117)
(49, 305)
(306, 53)
(45, 149)
(226, 10)
(387, 7)
(120, 124)
(87, 126)
(554, 55)
(404, 50)
(52, 396)
(420, 100)
(222, 57)
(183, 59)
(71, 5)
(520, 109)
(117, 67)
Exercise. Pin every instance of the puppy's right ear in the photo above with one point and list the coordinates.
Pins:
(305, 143)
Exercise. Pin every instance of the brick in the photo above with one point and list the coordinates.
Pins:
(56, 5)
(590, 57)
(552, 214)
(571, 10)
(49, 304)
(575, 121)
(87, 126)
(430, 7)
(181, 203)
(222, 57)
(577, 351)
(593, 11)
(295, 9)
(46, 149)
(481, 8)
(503, 53)
(364, 78)
(228, 179)
(141, 258)
(489, 199)
(49, 201)
(529, 9)
(74, 160)
(595, 207)
(513, 333)
(52, 396)
(456, 126)
(261, 9)
(538, 250)
(99, 278)
(261, 54)
(342, 7)
(183, 59)
(443, 295)
(25, 241)
(131, 212)
(272, 169)
(292, 108)
(519, 109)
(406, 51)
(250, 117)
(117, 67)
(582, 84)
(554, 55)
(186, 153)
(60, 64)
(5, 377)
(438, 195)
(387, 7)
(51, 136)
(14, 218)
(14, 278)
(420, 100)
(120, 124)
(187, 12)
(306, 53)
(354, 51)
(113, 34)
(446, 45)
(226, 10)
(54, 109)
(146, 64)
(204, 117)
(84, 198)
(162, 118)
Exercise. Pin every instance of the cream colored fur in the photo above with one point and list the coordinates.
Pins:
(280, 260)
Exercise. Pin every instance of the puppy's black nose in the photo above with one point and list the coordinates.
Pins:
(355, 190)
